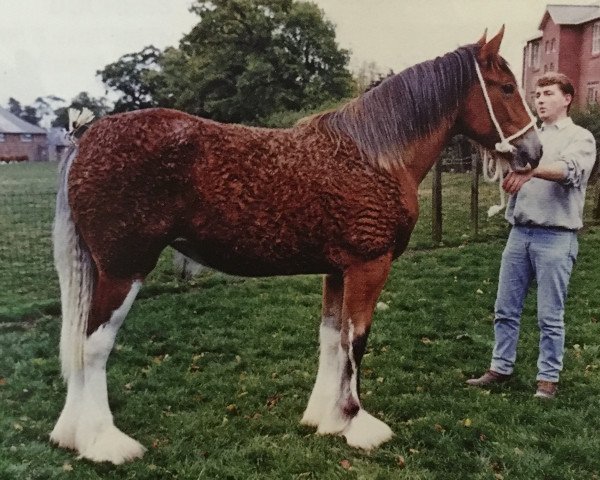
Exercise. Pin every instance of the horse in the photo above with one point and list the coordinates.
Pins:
(335, 195)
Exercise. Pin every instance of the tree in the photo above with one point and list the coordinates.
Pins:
(29, 113)
(135, 76)
(98, 106)
(366, 75)
(245, 60)
(250, 58)
(14, 107)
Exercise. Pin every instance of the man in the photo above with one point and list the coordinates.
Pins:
(545, 209)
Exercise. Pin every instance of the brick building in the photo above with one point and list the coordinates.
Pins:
(20, 140)
(569, 42)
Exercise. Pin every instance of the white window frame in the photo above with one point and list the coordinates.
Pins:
(535, 55)
(26, 138)
(2, 138)
(596, 38)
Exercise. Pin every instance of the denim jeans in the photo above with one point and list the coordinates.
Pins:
(546, 255)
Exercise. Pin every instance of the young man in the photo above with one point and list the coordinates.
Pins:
(545, 209)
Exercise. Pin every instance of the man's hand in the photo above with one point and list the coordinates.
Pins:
(515, 180)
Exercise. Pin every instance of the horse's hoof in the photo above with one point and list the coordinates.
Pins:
(367, 432)
(112, 445)
(333, 424)
(314, 413)
(310, 420)
(63, 435)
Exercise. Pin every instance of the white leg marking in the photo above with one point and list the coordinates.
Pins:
(96, 436)
(335, 421)
(353, 378)
(325, 391)
(367, 432)
(364, 430)
(63, 433)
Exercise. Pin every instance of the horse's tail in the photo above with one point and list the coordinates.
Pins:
(75, 269)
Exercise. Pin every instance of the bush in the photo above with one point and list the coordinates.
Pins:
(590, 119)
(13, 158)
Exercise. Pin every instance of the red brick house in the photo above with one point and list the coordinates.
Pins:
(20, 140)
(569, 42)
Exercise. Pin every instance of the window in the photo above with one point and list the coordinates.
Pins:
(26, 137)
(592, 92)
(551, 68)
(596, 38)
(547, 49)
(2, 138)
(553, 45)
(545, 68)
(535, 55)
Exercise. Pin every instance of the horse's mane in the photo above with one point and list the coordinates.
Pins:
(404, 107)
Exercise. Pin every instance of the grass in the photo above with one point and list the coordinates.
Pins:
(213, 375)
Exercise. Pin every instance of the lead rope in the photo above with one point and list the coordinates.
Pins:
(490, 161)
(496, 165)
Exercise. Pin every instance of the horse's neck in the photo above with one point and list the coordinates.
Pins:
(420, 156)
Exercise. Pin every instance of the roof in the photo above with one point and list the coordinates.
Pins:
(58, 137)
(10, 123)
(571, 14)
(537, 36)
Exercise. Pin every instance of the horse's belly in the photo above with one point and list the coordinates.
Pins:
(238, 261)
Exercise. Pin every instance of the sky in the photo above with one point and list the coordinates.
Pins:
(55, 47)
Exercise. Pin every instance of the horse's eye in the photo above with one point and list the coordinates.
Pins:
(508, 88)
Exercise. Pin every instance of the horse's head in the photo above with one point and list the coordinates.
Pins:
(494, 112)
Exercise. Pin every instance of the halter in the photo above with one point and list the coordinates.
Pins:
(504, 145)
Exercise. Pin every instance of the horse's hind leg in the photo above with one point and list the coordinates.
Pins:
(97, 438)
(86, 423)
(325, 391)
(362, 285)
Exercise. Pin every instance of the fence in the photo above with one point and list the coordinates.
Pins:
(27, 195)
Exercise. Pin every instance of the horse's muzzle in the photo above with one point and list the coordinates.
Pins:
(528, 152)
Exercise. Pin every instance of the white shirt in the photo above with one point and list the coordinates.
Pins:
(557, 204)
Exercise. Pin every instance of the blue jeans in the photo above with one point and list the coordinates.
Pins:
(546, 255)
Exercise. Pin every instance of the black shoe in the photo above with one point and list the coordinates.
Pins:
(488, 378)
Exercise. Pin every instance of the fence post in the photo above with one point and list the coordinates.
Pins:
(436, 203)
(474, 194)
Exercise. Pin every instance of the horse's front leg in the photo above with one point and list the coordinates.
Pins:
(362, 285)
(325, 392)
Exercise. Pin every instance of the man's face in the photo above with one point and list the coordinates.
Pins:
(551, 103)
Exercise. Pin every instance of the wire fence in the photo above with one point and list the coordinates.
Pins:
(27, 198)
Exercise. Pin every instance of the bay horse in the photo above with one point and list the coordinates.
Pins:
(334, 195)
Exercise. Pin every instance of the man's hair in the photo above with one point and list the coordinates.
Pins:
(555, 78)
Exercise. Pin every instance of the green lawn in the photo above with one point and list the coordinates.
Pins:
(213, 375)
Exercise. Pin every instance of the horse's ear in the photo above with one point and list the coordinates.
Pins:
(482, 40)
(490, 49)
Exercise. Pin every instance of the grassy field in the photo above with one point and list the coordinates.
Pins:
(213, 375)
